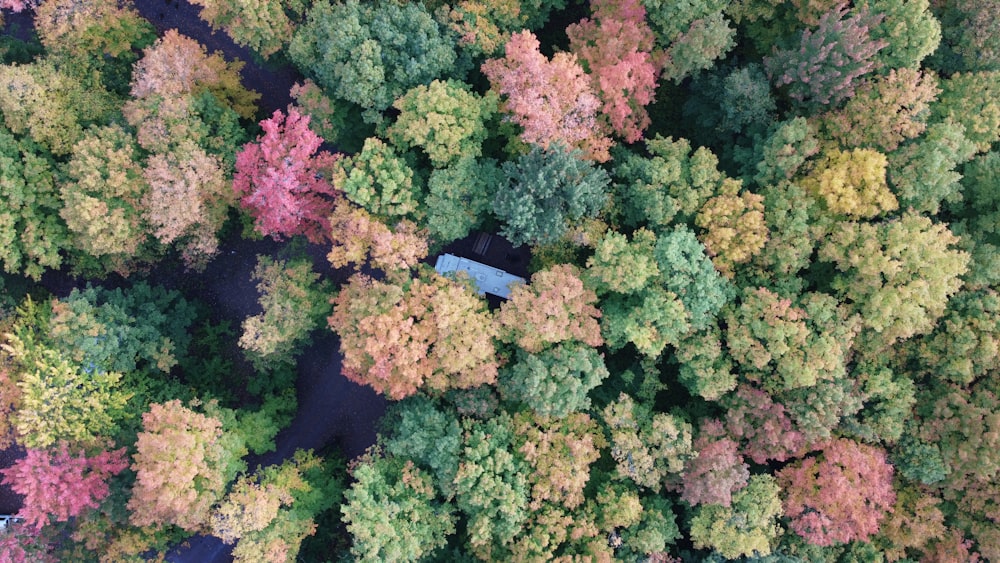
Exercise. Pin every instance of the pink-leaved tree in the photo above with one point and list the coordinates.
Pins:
(281, 181)
(59, 485)
(615, 45)
(552, 100)
(839, 496)
(717, 471)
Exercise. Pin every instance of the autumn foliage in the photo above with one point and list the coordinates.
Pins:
(58, 485)
(280, 179)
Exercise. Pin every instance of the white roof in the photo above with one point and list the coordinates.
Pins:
(487, 278)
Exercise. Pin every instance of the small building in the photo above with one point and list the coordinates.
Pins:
(487, 278)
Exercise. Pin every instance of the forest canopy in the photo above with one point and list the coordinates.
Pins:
(760, 322)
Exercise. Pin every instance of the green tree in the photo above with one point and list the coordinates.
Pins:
(293, 301)
(492, 487)
(445, 119)
(747, 528)
(898, 275)
(911, 30)
(554, 382)
(262, 25)
(460, 197)
(971, 99)
(31, 234)
(392, 513)
(922, 173)
(430, 436)
(380, 181)
(371, 54)
(691, 34)
(544, 191)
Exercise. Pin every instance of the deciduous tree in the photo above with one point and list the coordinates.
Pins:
(545, 190)
(841, 495)
(58, 485)
(381, 181)
(560, 451)
(554, 382)
(615, 46)
(430, 332)
(651, 449)
(445, 119)
(733, 226)
(922, 173)
(761, 425)
(551, 100)
(554, 307)
(183, 463)
(747, 528)
(294, 305)
(262, 25)
(971, 99)
(280, 179)
(824, 68)
(371, 54)
(392, 513)
(716, 471)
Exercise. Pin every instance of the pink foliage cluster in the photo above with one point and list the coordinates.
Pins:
(763, 427)
(61, 485)
(280, 179)
(18, 5)
(717, 472)
(842, 495)
(552, 101)
(616, 47)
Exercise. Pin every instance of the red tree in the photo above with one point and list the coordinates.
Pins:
(60, 485)
(281, 182)
(551, 100)
(839, 496)
(763, 424)
(616, 47)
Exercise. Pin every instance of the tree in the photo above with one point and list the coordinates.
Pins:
(965, 344)
(884, 111)
(429, 332)
(761, 426)
(59, 485)
(49, 105)
(910, 28)
(922, 173)
(747, 528)
(554, 382)
(970, 99)
(178, 67)
(551, 100)
(673, 182)
(492, 487)
(692, 34)
(392, 513)
(183, 463)
(428, 435)
(31, 234)
(898, 275)
(371, 54)
(59, 400)
(839, 496)
(717, 470)
(102, 199)
(483, 27)
(615, 47)
(651, 449)
(650, 320)
(262, 25)
(380, 181)
(733, 226)
(293, 301)
(823, 69)
(357, 238)
(445, 119)
(783, 152)
(560, 451)
(704, 366)
(279, 179)
(969, 40)
(544, 191)
(554, 307)
(460, 197)
(188, 200)
(143, 329)
(687, 271)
